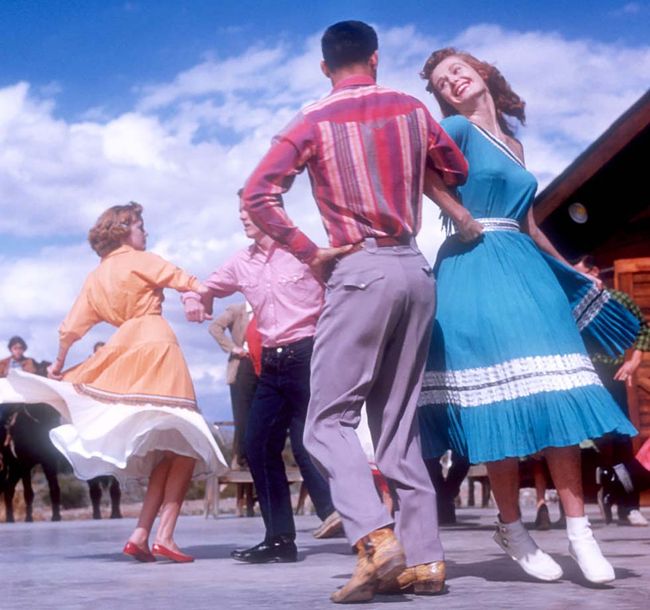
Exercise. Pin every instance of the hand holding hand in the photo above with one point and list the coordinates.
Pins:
(195, 311)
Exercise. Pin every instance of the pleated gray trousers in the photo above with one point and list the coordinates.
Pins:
(371, 346)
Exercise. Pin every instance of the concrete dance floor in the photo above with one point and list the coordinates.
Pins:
(78, 565)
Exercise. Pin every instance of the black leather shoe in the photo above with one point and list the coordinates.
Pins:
(281, 549)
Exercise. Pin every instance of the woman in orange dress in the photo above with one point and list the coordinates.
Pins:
(130, 408)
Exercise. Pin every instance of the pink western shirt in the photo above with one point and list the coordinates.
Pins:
(284, 294)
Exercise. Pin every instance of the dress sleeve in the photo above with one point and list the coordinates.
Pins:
(80, 319)
(163, 274)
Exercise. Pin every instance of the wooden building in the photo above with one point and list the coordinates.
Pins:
(600, 205)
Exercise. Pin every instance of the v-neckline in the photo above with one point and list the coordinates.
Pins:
(502, 146)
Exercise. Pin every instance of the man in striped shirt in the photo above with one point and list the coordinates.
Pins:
(367, 149)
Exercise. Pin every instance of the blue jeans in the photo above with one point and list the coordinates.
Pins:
(280, 405)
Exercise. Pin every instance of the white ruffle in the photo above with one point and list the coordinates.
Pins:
(123, 440)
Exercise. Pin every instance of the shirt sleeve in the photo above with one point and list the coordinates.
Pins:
(642, 342)
(222, 283)
(80, 319)
(445, 157)
(262, 196)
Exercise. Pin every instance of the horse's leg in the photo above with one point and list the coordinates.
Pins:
(95, 492)
(10, 489)
(55, 490)
(28, 492)
(116, 496)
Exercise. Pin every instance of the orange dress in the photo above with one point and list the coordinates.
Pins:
(133, 399)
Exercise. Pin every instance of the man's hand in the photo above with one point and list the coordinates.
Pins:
(195, 311)
(322, 263)
(239, 352)
(468, 229)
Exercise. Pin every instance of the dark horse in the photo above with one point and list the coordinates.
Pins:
(24, 443)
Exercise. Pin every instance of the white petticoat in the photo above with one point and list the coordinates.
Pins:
(123, 440)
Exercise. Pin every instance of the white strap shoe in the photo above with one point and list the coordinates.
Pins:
(585, 550)
(515, 540)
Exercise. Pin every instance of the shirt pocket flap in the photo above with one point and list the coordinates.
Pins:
(362, 280)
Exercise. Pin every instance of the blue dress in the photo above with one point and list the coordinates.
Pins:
(508, 372)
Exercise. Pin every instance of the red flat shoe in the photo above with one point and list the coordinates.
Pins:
(133, 550)
(163, 551)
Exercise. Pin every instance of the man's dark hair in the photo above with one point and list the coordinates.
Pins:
(348, 42)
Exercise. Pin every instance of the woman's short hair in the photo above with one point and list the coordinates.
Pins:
(505, 99)
(113, 226)
(16, 340)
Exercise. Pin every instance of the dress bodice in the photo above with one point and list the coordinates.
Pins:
(498, 186)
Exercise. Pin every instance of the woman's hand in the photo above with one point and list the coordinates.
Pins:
(626, 372)
(596, 280)
(54, 370)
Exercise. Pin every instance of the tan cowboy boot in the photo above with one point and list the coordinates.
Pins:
(422, 579)
(380, 556)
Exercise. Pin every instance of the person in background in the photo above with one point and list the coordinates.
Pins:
(231, 331)
(17, 359)
(617, 375)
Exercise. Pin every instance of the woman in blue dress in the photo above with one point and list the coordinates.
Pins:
(508, 372)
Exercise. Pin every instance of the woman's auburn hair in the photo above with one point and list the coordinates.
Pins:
(108, 233)
(506, 101)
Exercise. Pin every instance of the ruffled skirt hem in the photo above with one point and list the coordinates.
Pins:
(521, 427)
(123, 440)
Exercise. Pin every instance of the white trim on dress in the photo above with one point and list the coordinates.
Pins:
(508, 380)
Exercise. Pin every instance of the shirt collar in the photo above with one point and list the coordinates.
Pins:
(357, 80)
(121, 250)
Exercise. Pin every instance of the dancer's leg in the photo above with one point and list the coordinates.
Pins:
(504, 480)
(564, 464)
(151, 504)
(177, 482)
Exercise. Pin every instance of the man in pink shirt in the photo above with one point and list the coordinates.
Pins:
(286, 299)
(366, 149)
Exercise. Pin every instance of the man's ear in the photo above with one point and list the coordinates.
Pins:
(373, 62)
(325, 69)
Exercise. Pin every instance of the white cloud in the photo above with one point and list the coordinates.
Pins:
(187, 145)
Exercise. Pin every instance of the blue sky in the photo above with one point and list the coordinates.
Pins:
(171, 104)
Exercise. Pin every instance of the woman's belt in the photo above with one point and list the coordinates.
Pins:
(499, 224)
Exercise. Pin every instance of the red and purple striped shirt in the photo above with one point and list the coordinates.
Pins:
(365, 148)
